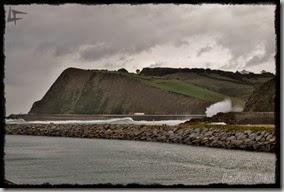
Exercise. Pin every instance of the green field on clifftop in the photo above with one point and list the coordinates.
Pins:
(187, 89)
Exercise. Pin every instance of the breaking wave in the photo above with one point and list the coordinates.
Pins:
(125, 120)
(224, 106)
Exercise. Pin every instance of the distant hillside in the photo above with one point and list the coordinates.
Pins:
(262, 99)
(236, 76)
(189, 91)
(235, 85)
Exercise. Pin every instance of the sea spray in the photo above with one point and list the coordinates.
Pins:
(237, 109)
(222, 106)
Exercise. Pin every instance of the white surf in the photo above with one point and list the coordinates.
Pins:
(125, 120)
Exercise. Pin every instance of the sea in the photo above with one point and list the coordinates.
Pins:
(123, 120)
(58, 160)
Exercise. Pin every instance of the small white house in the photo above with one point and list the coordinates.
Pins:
(139, 114)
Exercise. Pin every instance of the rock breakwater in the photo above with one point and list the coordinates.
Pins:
(253, 140)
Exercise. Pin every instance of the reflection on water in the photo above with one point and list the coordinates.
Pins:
(36, 160)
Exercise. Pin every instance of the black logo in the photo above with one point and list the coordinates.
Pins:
(12, 15)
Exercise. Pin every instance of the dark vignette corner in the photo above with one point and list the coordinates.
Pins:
(2, 100)
(278, 93)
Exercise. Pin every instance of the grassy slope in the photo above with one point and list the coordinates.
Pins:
(216, 83)
(187, 89)
(208, 87)
(238, 91)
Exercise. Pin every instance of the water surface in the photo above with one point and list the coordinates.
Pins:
(123, 120)
(58, 160)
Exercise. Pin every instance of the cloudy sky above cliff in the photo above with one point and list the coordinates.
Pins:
(52, 38)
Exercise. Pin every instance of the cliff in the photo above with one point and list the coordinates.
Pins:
(263, 98)
(102, 92)
(173, 91)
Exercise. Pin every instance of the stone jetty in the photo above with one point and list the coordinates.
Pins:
(252, 140)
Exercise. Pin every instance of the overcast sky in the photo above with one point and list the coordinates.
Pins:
(52, 38)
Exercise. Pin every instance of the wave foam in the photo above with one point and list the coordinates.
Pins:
(125, 120)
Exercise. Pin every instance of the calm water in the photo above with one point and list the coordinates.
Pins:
(57, 160)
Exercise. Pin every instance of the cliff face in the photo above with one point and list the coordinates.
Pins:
(263, 98)
(153, 91)
(103, 92)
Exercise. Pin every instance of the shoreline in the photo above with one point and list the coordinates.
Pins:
(250, 139)
(149, 117)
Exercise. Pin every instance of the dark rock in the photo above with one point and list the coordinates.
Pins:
(247, 140)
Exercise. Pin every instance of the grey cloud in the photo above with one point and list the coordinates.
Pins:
(110, 65)
(250, 31)
(99, 51)
(256, 60)
(35, 46)
(62, 50)
(207, 65)
(203, 50)
(128, 27)
(179, 43)
(122, 58)
(126, 61)
(157, 64)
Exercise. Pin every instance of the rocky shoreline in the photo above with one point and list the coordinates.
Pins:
(252, 140)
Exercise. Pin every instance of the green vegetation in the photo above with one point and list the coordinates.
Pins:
(210, 87)
(162, 91)
(254, 128)
(187, 89)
